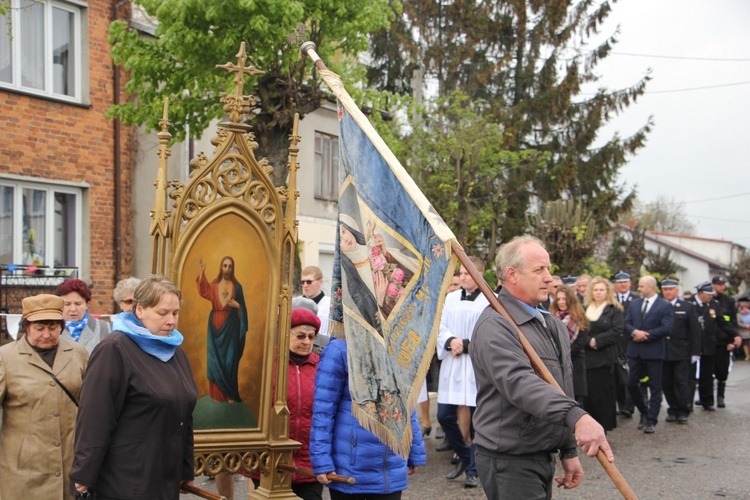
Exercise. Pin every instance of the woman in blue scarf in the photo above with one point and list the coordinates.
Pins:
(80, 325)
(134, 432)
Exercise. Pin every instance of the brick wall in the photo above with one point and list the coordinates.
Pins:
(58, 141)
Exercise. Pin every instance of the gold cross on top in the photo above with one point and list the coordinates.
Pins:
(241, 70)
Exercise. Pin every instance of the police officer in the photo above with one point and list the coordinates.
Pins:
(715, 335)
(683, 345)
(624, 296)
(728, 311)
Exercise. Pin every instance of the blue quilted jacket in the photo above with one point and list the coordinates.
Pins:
(339, 444)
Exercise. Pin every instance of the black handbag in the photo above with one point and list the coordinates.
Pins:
(622, 370)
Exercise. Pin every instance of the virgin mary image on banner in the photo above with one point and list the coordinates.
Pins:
(374, 266)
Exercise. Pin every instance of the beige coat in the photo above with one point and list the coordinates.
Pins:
(38, 428)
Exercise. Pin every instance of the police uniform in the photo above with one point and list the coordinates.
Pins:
(727, 310)
(715, 332)
(682, 344)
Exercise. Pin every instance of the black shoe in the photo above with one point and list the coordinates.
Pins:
(709, 407)
(642, 423)
(626, 413)
(471, 482)
(649, 429)
(445, 446)
(455, 459)
(698, 402)
(460, 468)
(439, 434)
(682, 419)
(426, 431)
(671, 418)
(720, 402)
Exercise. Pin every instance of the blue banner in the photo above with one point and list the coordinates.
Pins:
(392, 264)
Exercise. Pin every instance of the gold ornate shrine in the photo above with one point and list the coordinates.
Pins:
(228, 244)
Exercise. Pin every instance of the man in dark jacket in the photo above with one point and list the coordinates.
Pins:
(624, 296)
(648, 321)
(728, 342)
(683, 345)
(520, 420)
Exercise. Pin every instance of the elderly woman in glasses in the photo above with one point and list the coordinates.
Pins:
(123, 293)
(41, 375)
(303, 365)
(80, 325)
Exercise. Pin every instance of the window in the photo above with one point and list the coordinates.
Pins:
(40, 224)
(326, 167)
(40, 48)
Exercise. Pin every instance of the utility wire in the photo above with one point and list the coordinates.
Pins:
(683, 58)
(718, 198)
(696, 88)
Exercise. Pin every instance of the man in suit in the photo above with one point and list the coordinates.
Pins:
(624, 296)
(683, 345)
(648, 321)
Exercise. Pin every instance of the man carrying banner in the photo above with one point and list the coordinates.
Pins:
(521, 420)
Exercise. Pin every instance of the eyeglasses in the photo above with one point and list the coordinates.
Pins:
(303, 336)
(127, 301)
(308, 282)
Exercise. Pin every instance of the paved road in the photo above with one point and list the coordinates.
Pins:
(708, 458)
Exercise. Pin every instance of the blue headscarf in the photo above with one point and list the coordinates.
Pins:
(160, 347)
(76, 327)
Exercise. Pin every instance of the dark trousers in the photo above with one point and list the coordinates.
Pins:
(706, 380)
(676, 385)
(721, 369)
(337, 495)
(448, 417)
(516, 477)
(640, 368)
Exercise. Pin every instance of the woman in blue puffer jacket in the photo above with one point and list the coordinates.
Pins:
(339, 444)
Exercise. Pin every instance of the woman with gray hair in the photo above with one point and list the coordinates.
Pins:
(124, 291)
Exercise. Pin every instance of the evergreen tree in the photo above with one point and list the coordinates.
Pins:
(530, 60)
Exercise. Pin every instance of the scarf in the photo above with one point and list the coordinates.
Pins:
(298, 359)
(75, 327)
(570, 323)
(162, 348)
(593, 311)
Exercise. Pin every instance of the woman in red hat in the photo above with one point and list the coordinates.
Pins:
(303, 365)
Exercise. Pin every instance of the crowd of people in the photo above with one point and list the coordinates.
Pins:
(130, 387)
(628, 350)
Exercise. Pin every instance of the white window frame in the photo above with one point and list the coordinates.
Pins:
(333, 193)
(74, 7)
(49, 231)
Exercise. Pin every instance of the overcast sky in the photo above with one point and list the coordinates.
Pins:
(698, 147)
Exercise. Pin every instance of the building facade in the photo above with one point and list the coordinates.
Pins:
(65, 169)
